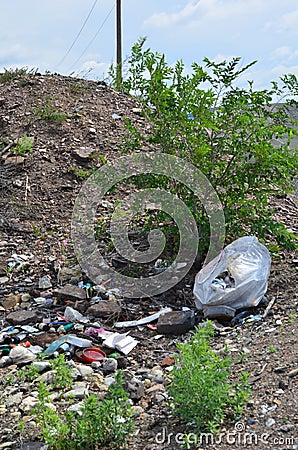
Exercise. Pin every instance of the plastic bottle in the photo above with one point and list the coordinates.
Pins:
(69, 339)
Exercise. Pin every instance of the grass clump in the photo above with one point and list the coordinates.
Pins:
(48, 111)
(98, 423)
(200, 388)
(23, 145)
(11, 74)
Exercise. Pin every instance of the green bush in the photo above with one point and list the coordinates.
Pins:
(98, 423)
(200, 390)
(225, 130)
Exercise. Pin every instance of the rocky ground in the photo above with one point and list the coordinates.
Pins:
(77, 125)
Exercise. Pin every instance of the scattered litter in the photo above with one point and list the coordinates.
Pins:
(72, 315)
(93, 354)
(144, 320)
(121, 342)
(21, 355)
(235, 279)
(69, 339)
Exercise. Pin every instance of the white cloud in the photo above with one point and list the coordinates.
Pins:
(202, 10)
(284, 54)
(93, 69)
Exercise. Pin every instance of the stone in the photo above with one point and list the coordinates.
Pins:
(10, 301)
(69, 273)
(155, 388)
(28, 403)
(76, 407)
(4, 280)
(47, 377)
(270, 422)
(108, 381)
(22, 317)
(175, 322)
(293, 373)
(44, 283)
(79, 391)
(14, 400)
(73, 315)
(83, 153)
(109, 365)
(41, 366)
(14, 160)
(85, 371)
(71, 292)
(133, 386)
(104, 308)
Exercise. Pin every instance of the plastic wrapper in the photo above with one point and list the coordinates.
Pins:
(237, 278)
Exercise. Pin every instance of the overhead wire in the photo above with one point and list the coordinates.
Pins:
(93, 39)
(78, 35)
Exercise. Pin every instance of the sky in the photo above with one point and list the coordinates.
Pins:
(44, 34)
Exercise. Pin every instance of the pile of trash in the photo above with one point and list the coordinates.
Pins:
(236, 280)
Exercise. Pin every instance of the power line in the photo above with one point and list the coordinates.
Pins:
(94, 37)
(78, 35)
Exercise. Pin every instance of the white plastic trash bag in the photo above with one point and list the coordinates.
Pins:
(236, 278)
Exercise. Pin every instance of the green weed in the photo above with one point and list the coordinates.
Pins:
(11, 74)
(23, 145)
(99, 423)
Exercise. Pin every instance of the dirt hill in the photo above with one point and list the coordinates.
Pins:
(74, 126)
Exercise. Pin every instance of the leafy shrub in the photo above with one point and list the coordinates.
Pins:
(200, 390)
(98, 422)
(225, 130)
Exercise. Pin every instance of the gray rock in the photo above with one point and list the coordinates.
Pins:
(133, 386)
(47, 377)
(84, 371)
(108, 381)
(67, 273)
(41, 366)
(21, 317)
(44, 283)
(108, 365)
(83, 153)
(28, 403)
(270, 422)
(175, 322)
(4, 280)
(79, 391)
(104, 308)
(14, 400)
